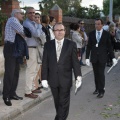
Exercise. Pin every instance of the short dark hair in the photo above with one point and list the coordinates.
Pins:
(58, 23)
(76, 26)
(51, 18)
(108, 23)
(45, 19)
(71, 26)
(37, 14)
(100, 20)
(29, 8)
(80, 21)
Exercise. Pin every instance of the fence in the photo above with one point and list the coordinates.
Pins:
(89, 24)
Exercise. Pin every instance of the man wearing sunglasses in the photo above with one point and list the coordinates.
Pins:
(32, 65)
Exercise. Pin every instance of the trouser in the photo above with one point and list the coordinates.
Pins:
(99, 69)
(62, 101)
(82, 52)
(109, 59)
(11, 75)
(31, 70)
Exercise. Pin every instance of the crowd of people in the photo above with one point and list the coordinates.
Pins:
(79, 36)
(114, 30)
(40, 31)
(50, 57)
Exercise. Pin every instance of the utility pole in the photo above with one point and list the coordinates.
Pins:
(111, 10)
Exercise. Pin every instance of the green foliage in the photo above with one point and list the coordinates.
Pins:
(66, 5)
(3, 18)
(116, 7)
(93, 12)
(71, 8)
(106, 7)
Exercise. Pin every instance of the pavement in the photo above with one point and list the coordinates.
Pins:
(84, 105)
(20, 106)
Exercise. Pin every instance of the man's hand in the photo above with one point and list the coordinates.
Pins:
(44, 83)
(87, 62)
(78, 82)
(114, 61)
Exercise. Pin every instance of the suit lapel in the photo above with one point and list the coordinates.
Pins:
(64, 49)
(102, 36)
(54, 50)
(95, 36)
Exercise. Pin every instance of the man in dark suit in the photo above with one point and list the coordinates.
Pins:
(59, 58)
(99, 44)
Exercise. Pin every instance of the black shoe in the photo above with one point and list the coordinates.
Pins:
(109, 65)
(83, 64)
(7, 101)
(15, 97)
(95, 92)
(100, 95)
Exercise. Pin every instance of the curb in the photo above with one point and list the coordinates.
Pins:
(22, 106)
(25, 105)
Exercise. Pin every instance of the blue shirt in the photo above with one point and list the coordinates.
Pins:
(35, 31)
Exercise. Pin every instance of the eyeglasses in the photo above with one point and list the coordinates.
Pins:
(31, 12)
(61, 30)
(81, 23)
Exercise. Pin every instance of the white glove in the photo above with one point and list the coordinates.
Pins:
(44, 83)
(87, 62)
(114, 61)
(78, 82)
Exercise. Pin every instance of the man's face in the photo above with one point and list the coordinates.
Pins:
(19, 15)
(31, 14)
(59, 31)
(38, 19)
(53, 22)
(98, 25)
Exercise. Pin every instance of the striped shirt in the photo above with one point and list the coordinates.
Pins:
(12, 26)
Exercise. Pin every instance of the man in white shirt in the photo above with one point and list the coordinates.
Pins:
(99, 44)
(59, 58)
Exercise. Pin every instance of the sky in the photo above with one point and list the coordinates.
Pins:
(85, 3)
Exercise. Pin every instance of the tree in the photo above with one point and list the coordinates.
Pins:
(71, 8)
(82, 12)
(93, 12)
(116, 7)
(67, 6)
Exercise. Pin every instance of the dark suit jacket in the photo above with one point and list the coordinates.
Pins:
(47, 33)
(20, 49)
(60, 73)
(99, 53)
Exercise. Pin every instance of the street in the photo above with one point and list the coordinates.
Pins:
(84, 105)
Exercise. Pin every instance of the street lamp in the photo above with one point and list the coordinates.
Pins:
(111, 10)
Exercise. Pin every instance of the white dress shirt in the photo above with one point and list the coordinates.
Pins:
(56, 44)
(52, 36)
(101, 31)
